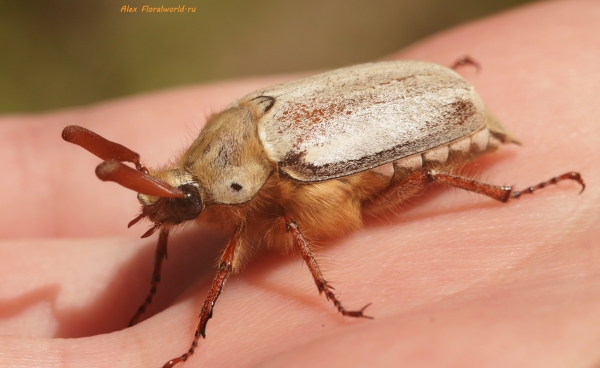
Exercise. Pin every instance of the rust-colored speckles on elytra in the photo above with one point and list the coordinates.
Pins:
(460, 112)
(311, 114)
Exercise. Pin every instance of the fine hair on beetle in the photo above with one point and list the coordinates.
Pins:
(299, 163)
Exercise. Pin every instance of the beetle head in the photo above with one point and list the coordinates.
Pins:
(168, 198)
(173, 210)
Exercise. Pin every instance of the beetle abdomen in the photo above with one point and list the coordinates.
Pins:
(472, 145)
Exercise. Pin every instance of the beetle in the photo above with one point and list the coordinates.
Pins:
(307, 160)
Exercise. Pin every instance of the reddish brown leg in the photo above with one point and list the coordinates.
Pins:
(570, 175)
(466, 60)
(161, 253)
(498, 192)
(398, 191)
(225, 268)
(322, 285)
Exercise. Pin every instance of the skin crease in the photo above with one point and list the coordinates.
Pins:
(455, 279)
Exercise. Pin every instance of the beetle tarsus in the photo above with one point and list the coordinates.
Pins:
(499, 192)
(171, 363)
(358, 314)
(567, 176)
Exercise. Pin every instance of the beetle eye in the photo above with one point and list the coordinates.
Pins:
(190, 206)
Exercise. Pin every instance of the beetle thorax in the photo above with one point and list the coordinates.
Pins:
(227, 158)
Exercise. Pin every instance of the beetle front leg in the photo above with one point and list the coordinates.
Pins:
(225, 268)
(498, 192)
(160, 255)
(322, 285)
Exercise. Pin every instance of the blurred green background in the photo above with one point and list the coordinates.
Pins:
(71, 52)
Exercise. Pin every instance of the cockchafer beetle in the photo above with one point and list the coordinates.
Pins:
(306, 160)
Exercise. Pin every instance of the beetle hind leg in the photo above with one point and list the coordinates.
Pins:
(409, 185)
(322, 285)
(403, 186)
(498, 192)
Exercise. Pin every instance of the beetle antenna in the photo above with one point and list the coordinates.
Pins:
(138, 181)
(101, 146)
(112, 169)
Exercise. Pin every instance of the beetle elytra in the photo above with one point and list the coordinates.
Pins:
(305, 161)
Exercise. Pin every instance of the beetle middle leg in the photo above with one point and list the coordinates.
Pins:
(322, 285)
(225, 268)
(498, 192)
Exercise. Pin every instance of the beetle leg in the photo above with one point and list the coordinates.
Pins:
(322, 285)
(499, 192)
(160, 254)
(401, 188)
(466, 60)
(225, 268)
(570, 175)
